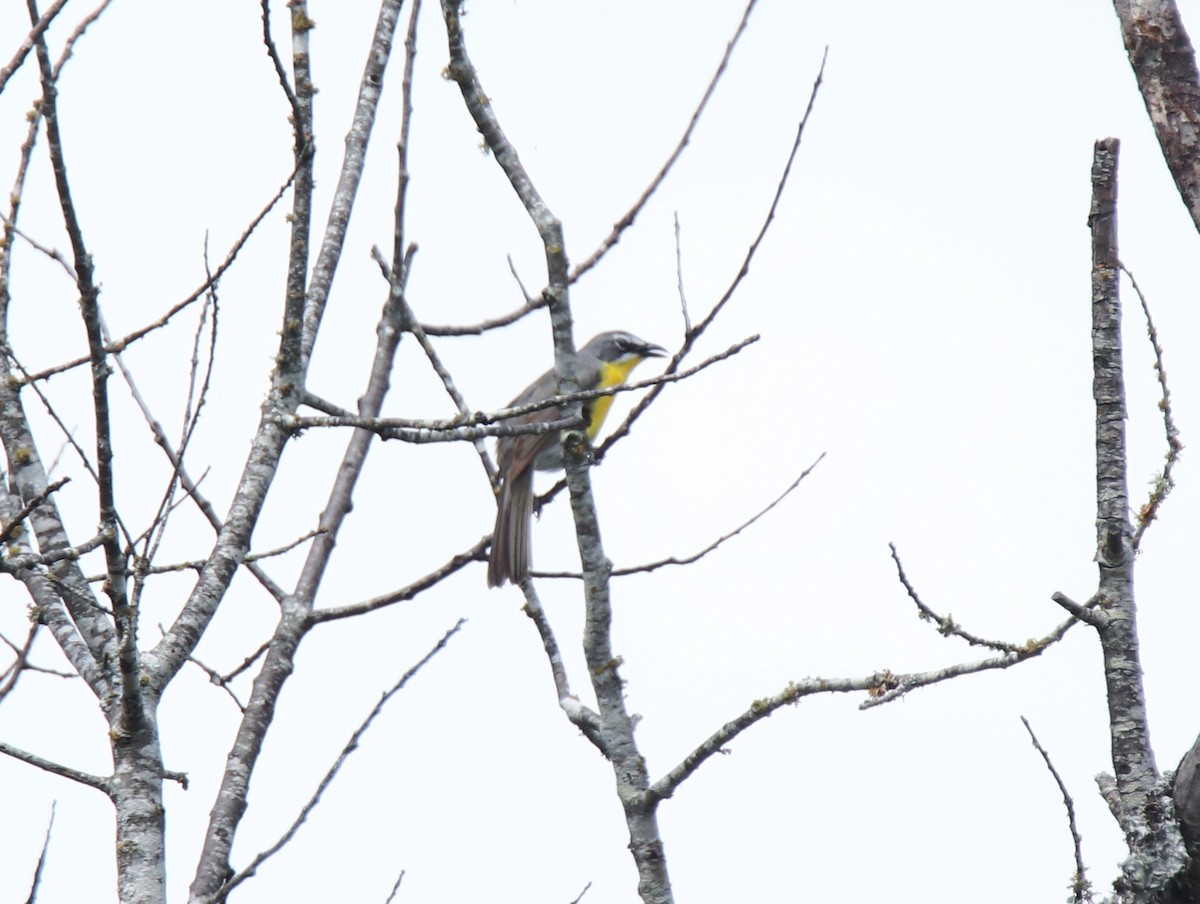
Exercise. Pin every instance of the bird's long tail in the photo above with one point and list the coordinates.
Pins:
(509, 560)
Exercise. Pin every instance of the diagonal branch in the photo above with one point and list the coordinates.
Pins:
(626, 221)
(75, 775)
(1164, 64)
(35, 35)
(231, 256)
(41, 863)
(689, 340)
(351, 745)
(581, 716)
(477, 553)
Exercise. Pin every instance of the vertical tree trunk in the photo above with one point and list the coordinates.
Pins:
(137, 797)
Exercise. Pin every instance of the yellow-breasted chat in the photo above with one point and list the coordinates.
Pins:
(606, 361)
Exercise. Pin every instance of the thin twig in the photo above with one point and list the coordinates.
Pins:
(250, 559)
(395, 888)
(695, 557)
(20, 663)
(512, 268)
(946, 625)
(683, 305)
(215, 677)
(248, 661)
(28, 560)
(1081, 888)
(1165, 481)
(297, 118)
(697, 331)
(476, 553)
(626, 221)
(180, 473)
(533, 304)
(125, 341)
(27, 509)
(52, 253)
(412, 325)
(351, 746)
(69, 45)
(41, 863)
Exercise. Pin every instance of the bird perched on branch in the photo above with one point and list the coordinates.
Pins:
(603, 363)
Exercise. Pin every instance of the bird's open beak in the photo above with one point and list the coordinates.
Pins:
(654, 351)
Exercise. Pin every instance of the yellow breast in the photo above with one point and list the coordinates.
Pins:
(611, 374)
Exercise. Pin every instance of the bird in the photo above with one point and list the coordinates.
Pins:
(606, 361)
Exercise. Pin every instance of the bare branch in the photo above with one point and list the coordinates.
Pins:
(61, 554)
(303, 311)
(20, 662)
(584, 718)
(882, 687)
(269, 42)
(477, 553)
(412, 325)
(55, 605)
(351, 170)
(626, 221)
(27, 509)
(395, 888)
(190, 486)
(695, 557)
(251, 558)
(1164, 64)
(84, 24)
(52, 253)
(126, 340)
(683, 305)
(1165, 482)
(41, 863)
(512, 268)
(351, 746)
(65, 584)
(35, 34)
(697, 331)
(946, 625)
(83, 778)
(391, 319)
(1081, 888)
(215, 677)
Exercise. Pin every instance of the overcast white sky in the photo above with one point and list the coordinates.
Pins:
(923, 300)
